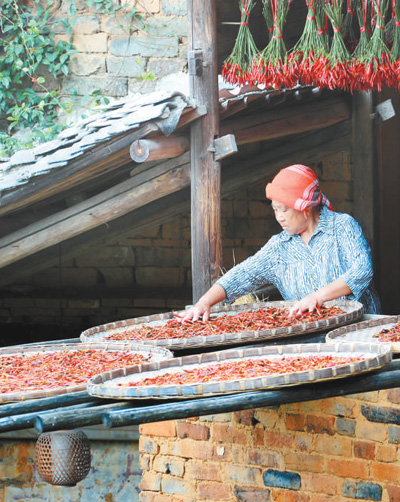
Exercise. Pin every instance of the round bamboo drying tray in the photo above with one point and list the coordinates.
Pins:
(156, 354)
(353, 311)
(113, 384)
(364, 332)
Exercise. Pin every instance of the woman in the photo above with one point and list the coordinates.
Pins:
(319, 256)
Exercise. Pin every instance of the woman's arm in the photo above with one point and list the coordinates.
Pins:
(331, 291)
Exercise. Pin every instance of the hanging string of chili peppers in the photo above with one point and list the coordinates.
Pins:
(345, 44)
(270, 65)
(237, 66)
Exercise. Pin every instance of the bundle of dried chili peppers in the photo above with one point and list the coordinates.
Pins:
(248, 368)
(58, 369)
(259, 320)
(237, 66)
(270, 65)
(346, 44)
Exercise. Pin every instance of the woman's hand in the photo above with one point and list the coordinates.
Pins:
(309, 303)
(306, 304)
(202, 308)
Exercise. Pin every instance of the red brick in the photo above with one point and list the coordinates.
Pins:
(203, 470)
(295, 422)
(244, 494)
(163, 498)
(161, 429)
(262, 457)
(222, 453)
(385, 472)
(258, 436)
(394, 493)
(393, 395)
(146, 497)
(245, 417)
(320, 483)
(198, 432)
(334, 445)
(227, 434)
(150, 481)
(348, 468)
(147, 445)
(364, 449)
(320, 425)
(213, 491)
(289, 496)
(304, 461)
(386, 453)
(189, 448)
(279, 440)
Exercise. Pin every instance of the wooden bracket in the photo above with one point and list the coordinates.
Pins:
(225, 146)
(195, 63)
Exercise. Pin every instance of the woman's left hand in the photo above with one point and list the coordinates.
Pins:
(307, 304)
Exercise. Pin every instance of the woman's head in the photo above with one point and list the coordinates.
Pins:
(296, 187)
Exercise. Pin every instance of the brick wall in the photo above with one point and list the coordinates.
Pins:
(151, 272)
(338, 449)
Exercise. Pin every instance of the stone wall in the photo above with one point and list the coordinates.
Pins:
(339, 449)
(114, 475)
(147, 273)
(118, 55)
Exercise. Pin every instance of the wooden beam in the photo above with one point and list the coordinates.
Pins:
(160, 147)
(247, 172)
(91, 213)
(205, 171)
(292, 120)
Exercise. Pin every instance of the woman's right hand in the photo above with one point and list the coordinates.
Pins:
(202, 308)
(197, 311)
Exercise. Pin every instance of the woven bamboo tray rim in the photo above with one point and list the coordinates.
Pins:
(7, 397)
(105, 385)
(353, 312)
(359, 330)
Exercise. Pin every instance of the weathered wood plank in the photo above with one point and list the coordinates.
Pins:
(205, 172)
(90, 214)
(275, 124)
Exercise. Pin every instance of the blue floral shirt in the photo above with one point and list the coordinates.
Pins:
(337, 250)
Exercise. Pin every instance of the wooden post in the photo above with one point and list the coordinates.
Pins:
(205, 171)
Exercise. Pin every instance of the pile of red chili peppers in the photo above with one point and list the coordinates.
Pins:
(259, 320)
(64, 368)
(249, 368)
(389, 335)
(346, 44)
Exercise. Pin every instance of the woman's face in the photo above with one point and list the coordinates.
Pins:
(291, 220)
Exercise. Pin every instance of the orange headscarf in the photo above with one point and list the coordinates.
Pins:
(297, 187)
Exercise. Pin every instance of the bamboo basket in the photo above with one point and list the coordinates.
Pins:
(364, 332)
(113, 384)
(353, 311)
(154, 353)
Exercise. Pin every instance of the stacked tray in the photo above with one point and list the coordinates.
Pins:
(365, 332)
(33, 353)
(353, 311)
(115, 384)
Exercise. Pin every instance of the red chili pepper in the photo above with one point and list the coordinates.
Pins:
(259, 320)
(248, 368)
